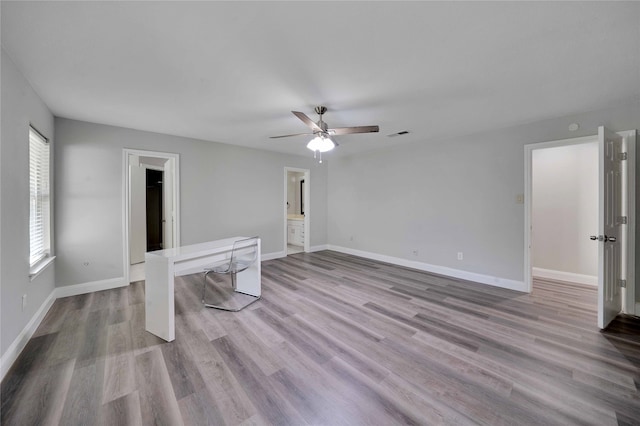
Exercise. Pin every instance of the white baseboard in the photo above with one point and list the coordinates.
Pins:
(281, 254)
(442, 270)
(565, 276)
(90, 287)
(274, 255)
(16, 347)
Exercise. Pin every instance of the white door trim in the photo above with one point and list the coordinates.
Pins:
(630, 138)
(629, 302)
(307, 206)
(126, 154)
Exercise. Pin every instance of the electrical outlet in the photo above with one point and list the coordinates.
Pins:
(520, 199)
(460, 256)
(24, 301)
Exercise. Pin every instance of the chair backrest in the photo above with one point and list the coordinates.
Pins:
(244, 253)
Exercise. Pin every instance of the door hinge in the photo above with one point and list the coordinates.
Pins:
(623, 283)
(622, 220)
(622, 156)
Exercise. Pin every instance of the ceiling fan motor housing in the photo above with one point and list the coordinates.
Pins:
(321, 110)
(323, 126)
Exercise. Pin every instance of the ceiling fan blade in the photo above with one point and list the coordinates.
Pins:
(350, 130)
(306, 120)
(286, 136)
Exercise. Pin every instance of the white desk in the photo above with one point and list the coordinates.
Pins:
(163, 265)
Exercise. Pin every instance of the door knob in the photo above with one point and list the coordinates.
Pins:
(605, 238)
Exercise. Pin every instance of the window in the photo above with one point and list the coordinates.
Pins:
(40, 203)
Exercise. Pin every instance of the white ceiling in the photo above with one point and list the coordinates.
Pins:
(231, 72)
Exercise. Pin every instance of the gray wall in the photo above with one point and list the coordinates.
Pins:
(225, 190)
(21, 106)
(441, 197)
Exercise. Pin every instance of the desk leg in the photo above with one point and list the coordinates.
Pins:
(159, 298)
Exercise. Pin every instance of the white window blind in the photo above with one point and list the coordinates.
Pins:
(39, 197)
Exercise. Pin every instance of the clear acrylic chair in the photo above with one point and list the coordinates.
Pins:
(243, 254)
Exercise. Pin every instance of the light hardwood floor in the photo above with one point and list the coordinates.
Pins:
(336, 339)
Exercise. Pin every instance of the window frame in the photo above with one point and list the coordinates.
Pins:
(40, 202)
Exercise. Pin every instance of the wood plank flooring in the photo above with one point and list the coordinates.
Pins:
(335, 340)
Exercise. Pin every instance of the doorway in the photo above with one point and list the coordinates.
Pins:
(151, 213)
(297, 209)
(154, 209)
(564, 212)
(626, 217)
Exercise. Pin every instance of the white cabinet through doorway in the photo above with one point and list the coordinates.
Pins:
(295, 232)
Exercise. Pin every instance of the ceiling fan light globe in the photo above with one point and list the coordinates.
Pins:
(321, 144)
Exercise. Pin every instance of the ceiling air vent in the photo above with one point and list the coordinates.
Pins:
(393, 135)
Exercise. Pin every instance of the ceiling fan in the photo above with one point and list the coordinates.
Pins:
(322, 141)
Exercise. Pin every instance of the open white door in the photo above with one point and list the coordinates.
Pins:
(167, 208)
(610, 221)
(138, 213)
